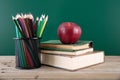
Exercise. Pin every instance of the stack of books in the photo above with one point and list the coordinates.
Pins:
(70, 56)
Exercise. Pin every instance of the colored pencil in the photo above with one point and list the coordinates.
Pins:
(43, 26)
(28, 32)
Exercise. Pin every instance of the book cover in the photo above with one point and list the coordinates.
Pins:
(73, 62)
(57, 45)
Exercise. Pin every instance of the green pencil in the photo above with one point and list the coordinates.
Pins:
(39, 26)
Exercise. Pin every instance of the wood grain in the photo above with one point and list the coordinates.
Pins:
(109, 70)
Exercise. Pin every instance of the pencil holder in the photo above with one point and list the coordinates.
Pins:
(27, 55)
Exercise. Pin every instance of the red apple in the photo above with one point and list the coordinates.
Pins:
(69, 32)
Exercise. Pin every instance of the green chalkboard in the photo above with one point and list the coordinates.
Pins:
(99, 20)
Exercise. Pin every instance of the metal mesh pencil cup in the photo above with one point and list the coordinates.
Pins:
(26, 51)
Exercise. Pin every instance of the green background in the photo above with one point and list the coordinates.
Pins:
(99, 20)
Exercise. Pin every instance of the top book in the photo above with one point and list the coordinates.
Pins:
(56, 44)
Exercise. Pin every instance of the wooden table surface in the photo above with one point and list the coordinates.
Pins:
(109, 70)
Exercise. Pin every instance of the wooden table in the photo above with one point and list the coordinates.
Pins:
(109, 70)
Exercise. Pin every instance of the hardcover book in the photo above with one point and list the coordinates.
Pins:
(73, 62)
(57, 45)
(67, 52)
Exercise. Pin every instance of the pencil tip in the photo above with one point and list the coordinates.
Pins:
(13, 17)
(46, 17)
(18, 16)
(25, 16)
(43, 16)
(40, 18)
(37, 18)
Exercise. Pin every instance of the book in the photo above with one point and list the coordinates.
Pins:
(73, 62)
(77, 52)
(56, 44)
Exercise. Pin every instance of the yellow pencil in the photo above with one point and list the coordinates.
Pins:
(43, 26)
